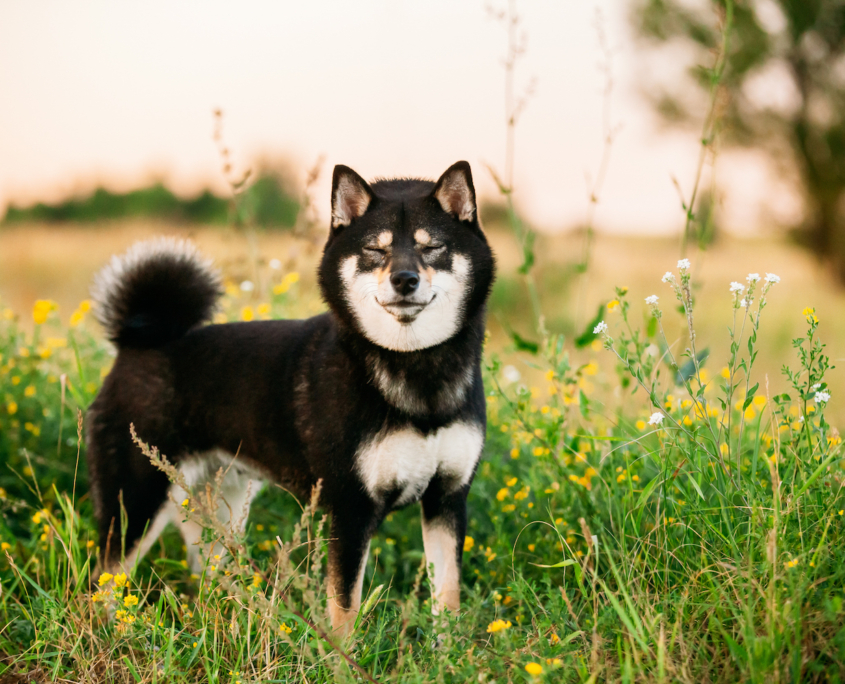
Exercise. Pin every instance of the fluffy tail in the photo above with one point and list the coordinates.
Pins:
(155, 293)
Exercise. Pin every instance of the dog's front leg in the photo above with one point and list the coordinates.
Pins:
(351, 529)
(444, 523)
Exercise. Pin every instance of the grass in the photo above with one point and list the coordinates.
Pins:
(707, 547)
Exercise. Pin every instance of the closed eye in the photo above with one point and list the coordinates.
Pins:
(375, 251)
(433, 248)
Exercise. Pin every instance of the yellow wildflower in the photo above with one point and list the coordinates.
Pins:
(42, 309)
(469, 542)
(534, 669)
(29, 391)
(247, 314)
(284, 628)
(498, 626)
(120, 580)
(12, 408)
(5, 546)
(130, 600)
(502, 494)
(613, 304)
(105, 578)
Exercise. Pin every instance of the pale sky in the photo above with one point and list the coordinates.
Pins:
(116, 93)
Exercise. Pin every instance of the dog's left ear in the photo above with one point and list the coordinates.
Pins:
(456, 193)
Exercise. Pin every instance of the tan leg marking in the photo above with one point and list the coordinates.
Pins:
(440, 550)
(343, 619)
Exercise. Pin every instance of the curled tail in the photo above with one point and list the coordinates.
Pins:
(155, 293)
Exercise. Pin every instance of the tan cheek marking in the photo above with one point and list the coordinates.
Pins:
(385, 239)
(381, 274)
(422, 237)
(428, 274)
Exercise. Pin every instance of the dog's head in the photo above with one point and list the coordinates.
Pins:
(406, 263)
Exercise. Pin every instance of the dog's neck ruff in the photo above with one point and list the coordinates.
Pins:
(400, 389)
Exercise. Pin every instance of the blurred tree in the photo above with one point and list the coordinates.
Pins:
(802, 41)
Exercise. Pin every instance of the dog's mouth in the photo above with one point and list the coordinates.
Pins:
(405, 310)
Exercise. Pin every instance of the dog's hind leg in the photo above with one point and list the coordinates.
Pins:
(130, 494)
(239, 486)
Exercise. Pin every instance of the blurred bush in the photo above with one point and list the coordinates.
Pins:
(268, 202)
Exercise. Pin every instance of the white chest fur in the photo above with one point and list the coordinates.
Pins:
(408, 460)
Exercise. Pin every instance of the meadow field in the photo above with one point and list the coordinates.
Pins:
(658, 501)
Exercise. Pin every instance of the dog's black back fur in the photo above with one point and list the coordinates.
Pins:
(299, 400)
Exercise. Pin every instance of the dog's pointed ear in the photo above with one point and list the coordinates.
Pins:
(456, 193)
(350, 196)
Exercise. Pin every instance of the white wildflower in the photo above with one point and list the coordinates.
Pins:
(744, 303)
(737, 287)
(600, 328)
(772, 278)
(753, 278)
(668, 277)
(822, 397)
(656, 418)
(247, 286)
(683, 264)
(816, 386)
(511, 374)
(275, 264)
(652, 300)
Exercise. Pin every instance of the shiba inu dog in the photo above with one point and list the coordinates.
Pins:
(380, 398)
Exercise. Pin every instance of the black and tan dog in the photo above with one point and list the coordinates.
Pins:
(381, 398)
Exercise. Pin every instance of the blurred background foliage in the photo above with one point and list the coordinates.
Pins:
(269, 201)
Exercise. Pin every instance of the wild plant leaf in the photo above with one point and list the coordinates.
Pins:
(562, 564)
(686, 371)
(527, 253)
(523, 344)
(588, 335)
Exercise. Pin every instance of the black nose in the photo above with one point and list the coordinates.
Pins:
(405, 282)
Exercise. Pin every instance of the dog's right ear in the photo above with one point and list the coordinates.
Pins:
(350, 196)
